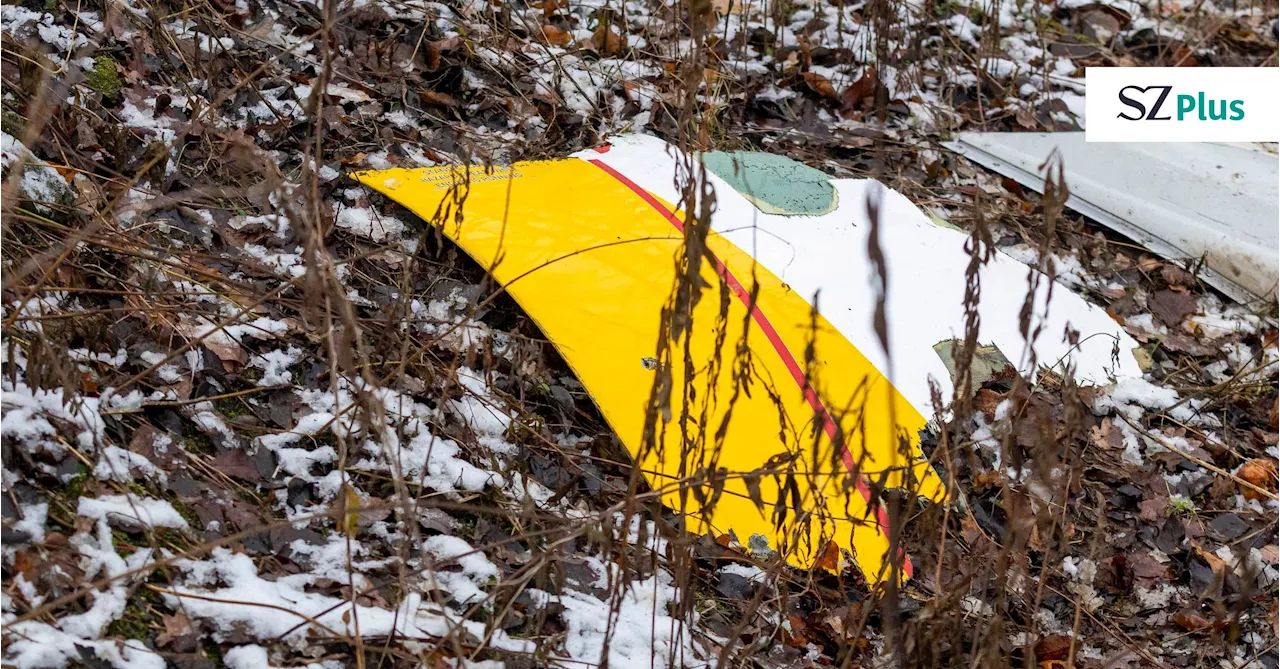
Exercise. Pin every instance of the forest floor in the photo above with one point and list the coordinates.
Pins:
(255, 416)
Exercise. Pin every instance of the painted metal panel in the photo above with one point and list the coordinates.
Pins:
(589, 248)
(1180, 200)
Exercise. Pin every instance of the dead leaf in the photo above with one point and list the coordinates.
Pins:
(23, 564)
(1053, 647)
(1105, 436)
(1099, 26)
(986, 401)
(550, 7)
(236, 463)
(179, 634)
(1035, 542)
(446, 45)
(1260, 472)
(829, 559)
(437, 98)
(1148, 264)
(227, 349)
(89, 195)
(1026, 118)
(1275, 617)
(984, 480)
(970, 530)
(607, 40)
(843, 621)
(862, 89)
(113, 21)
(1183, 56)
(752, 482)
(242, 515)
(711, 76)
(821, 85)
(795, 635)
(1176, 276)
(347, 511)
(1153, 510)
(1147, 569)
(1217, 564)
(1192, 621)
(555, 36)
(1267, 437)
(86, 138)
(1172, 308)
(156, 446)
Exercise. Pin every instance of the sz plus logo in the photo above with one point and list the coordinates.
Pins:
(1187, 106)
(1182, 104)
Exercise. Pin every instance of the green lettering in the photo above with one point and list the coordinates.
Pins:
(1186, 103)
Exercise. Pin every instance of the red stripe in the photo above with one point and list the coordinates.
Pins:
(770, 333)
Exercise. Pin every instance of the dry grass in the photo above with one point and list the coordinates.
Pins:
(990, 588)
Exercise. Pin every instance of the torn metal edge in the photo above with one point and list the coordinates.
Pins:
(1146, 238)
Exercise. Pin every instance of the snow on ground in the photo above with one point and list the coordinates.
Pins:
(131, 509)
(260, 403)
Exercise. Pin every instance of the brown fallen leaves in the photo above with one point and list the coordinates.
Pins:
(1194, 622)
(437, 98)
(821, 85)
(861, 94)
(555, 36)
(607, 41)
(179, 634)
(1146, 570)
(1259, 472)
(831, 558)
(1275, 617)
(551, 7)
(857, 98)
(1054, 647)
(1172, 307)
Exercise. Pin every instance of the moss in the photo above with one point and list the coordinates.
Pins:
(174, 539)
(230, 407)
(13, 123)
(103, 77)
(1047, 24)
(128, 626)
(123, 543)
(185, 511)
(197, 443)
(74, 488)
(136, 622)
(1179, 505)
(63, 500)
(465, 528)
(214, 652)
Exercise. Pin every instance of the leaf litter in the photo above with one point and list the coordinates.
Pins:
(233, 335)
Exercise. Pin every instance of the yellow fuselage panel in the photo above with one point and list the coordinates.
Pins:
(592, 260)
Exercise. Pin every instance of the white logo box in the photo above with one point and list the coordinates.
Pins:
(1121, 104)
